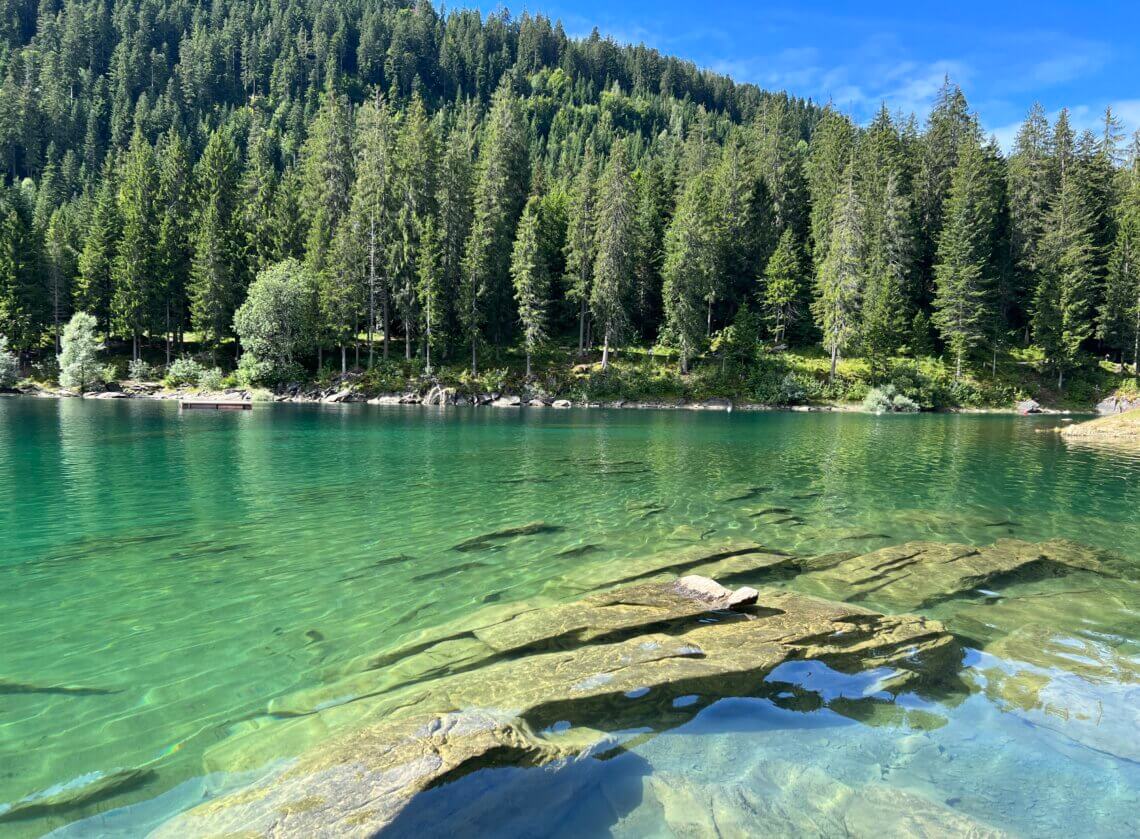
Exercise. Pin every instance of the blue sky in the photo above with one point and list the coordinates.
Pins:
(1005, 55)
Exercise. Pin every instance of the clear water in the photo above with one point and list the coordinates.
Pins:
(165, 576)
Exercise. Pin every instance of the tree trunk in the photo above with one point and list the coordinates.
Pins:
(387, 323)
(135, 347)
(582, 327)
(528, 364)
(1060, 378)
(1136, 345)
(371, 285)
(320, 358)
(708, 320)
(343, 359)
(993, 365)
(407, 342)
(834, 362)
(606, 348)
(958, 366)
(474, 364)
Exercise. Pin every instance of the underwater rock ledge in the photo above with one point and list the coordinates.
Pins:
(550, 682)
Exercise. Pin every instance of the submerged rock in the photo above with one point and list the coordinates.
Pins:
(918, 574)
(579, 665)
(488, 540)
(86, 789)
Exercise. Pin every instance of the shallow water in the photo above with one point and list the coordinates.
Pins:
(166, 577)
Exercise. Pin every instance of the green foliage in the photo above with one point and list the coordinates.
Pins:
(276, 322)
(140, 370)
(211, 379)
(183, 371)
(9, 365)
(887, 400)
(79, 356)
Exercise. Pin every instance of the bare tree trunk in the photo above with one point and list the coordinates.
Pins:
(958, 366)
(708, 319)
(1060, 378)
(834, 362)
(343, 359)
(474, 364)
(528, 364)
(993, 365)
(169, 333)
(387, 323)
(606, 348)
(582, 327)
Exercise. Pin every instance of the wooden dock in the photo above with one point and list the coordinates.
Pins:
(215, 405)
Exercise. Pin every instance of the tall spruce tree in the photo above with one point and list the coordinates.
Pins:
(215, 283)
(783, 279)
(581, 240)
(94, 286)
(498, 202)
(690, 257)
(531, 280)
(839, 278)
(616, 238)
(133, 274)
(964, 283)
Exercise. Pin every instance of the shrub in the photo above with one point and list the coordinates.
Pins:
(887, 400)
(183, 371)
(9, 365)
(211, 379)
(141, 371)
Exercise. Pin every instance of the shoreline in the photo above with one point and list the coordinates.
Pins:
(492, 400)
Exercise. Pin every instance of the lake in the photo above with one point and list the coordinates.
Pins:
(169, 580)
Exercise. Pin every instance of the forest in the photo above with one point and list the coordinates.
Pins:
(336, 184)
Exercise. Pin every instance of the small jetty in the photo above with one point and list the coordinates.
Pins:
(215, 405)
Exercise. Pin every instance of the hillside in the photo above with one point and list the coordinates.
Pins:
(376, 179)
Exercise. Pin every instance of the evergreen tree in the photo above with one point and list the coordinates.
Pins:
(1031, 186)
(690, 257)
(839, 278)
(374, 209)
(782, 285)
(174, 207)
(215, 285)
(830, 151)
(22, 303)
(498, 202)
(531, 280)
(431, 287)
(326, 175)
(94, 286)
(135, 296)
(581, 240)
(1118, 324)
(1067, 280)
(616, 239)
(963, 278)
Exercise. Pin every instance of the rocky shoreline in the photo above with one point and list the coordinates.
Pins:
(438, 396)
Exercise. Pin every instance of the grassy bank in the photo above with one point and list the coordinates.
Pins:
(789, 377)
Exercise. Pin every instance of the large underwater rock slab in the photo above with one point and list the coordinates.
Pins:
(915, 575)
(552, 680)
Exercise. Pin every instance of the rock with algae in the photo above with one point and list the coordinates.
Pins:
(577, 666)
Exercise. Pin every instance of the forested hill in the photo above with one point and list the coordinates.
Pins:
(461, 184)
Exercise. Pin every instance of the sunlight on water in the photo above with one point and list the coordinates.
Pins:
(168, 580)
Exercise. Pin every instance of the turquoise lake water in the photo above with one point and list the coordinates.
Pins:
(166, 576)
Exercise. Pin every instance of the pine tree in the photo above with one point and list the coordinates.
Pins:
(531, 280)
(1067, 280)
(431, 287)
(839, 278)
(616, 238)
(374, 208)
(94, 287)
(1031, 186)
(1118, 323)
(832, 142)
(581, 240)
(327, 175)
(783, 279)
(61, 251)
(690, 257)
(174, 207)
(498, 202)
(22, 301)
(417, 152)
(215, 285)
(135, 295)
(454, 202)
(963, 278)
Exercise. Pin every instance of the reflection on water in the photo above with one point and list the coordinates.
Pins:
(165, 578)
